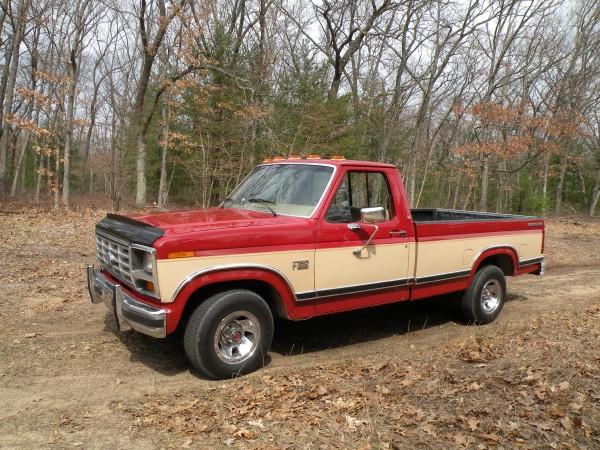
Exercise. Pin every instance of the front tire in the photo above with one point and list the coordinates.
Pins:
(229, 334)
(484, 299)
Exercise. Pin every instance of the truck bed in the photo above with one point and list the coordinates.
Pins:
(446, 215)
(449, 242)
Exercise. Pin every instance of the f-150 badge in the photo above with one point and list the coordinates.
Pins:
(300, 265)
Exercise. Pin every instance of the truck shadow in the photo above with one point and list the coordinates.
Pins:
(355, 327)
(167, 356)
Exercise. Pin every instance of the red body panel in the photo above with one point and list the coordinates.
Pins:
(435, 231)
(227, 231)
(218, 231)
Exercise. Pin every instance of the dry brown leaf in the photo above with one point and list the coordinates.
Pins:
(566, 423)
(257, 423)
(473, 423)
(490, 437)
(228, 441)
(556, 411)
(460, 439)
(245, 434)
(354, 423)
(428, 428)
(382, 389)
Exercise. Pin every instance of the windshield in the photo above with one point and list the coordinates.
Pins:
(290, 189)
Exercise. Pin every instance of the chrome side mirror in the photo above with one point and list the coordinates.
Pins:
(372, 215)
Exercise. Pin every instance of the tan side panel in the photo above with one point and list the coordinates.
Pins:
(171, 272)
(437, 257)
(339, 267)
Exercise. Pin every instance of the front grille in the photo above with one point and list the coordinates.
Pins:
(114, 257)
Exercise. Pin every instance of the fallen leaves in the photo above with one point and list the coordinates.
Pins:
(478, 350)
(487, 387)
(354, 423)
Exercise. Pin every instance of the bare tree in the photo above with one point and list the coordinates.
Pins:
(18, 19)
(150, 46)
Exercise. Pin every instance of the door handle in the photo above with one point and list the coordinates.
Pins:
(401, 233)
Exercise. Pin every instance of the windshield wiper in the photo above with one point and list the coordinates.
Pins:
(225, 200)
(263, 202)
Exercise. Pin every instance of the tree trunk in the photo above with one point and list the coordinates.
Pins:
(162, 188)
(6, 70)
(559, 185)
(545, 183)
(149, 52)
(38, 178)
(56, 178)
(456, 191)
(19, 164)
(88, 136)
(140, 135)
(595, 194)
(468, 198)
(485, 174)
(10, 90)
(140, 193)
(68, 140)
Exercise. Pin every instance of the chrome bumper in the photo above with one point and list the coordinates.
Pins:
(130, 313)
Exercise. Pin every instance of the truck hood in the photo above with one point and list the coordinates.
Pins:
(175, 222)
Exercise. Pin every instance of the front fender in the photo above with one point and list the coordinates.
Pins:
(289, 306)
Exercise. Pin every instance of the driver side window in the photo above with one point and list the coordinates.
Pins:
(359, 190)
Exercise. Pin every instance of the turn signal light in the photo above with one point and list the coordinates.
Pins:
(150, 286)
(338, 158)
(174, 255)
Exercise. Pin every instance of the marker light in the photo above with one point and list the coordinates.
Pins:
(174, 255)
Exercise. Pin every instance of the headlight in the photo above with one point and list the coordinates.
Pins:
(147, 262)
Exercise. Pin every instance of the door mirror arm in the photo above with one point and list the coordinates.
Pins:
(368, 216)
(358, 251)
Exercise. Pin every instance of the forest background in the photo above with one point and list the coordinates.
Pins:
(481, 104)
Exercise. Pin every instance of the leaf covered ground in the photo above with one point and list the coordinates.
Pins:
(403, 376)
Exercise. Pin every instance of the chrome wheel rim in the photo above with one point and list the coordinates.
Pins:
(237, 336)
(491, 295)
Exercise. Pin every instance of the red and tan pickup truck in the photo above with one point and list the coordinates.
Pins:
(300, 238)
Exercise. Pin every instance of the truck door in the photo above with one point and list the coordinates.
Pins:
(346, 278)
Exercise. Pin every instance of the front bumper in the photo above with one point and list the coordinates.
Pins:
(130, 313)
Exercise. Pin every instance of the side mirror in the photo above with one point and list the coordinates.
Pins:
(372, 215)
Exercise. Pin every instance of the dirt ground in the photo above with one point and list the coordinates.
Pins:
(401, 376)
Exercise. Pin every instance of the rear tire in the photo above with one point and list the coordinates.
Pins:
(229, 334)
(485, 297)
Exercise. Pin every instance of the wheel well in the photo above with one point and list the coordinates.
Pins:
(503, 261)
(265, 290)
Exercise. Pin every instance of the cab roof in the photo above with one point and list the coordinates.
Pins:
(330, 162)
